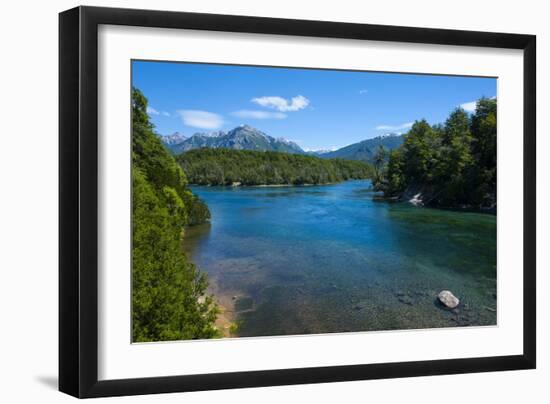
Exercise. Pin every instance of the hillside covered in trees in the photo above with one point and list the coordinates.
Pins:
(450, 165)
(229, 167)
(366, 149)
(168, 291)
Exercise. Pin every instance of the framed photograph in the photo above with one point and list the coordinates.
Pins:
(251, 201)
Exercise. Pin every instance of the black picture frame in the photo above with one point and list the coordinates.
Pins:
(78, 201)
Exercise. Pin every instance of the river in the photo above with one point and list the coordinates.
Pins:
(319, 259)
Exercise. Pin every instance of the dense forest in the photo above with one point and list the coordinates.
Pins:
(168, 291)
(448, 165)
(229, 167)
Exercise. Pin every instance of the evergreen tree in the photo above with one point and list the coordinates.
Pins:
(484, 151)
(378, 162)
(169, 299)
(456, 157)
(454, 163)
(209, 166)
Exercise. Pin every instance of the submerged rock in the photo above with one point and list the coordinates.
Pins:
(360, 305)
(448, 299)
(406, 300)
(416, 200)
(244, 303)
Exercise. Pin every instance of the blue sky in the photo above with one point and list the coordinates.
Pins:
(318, 109)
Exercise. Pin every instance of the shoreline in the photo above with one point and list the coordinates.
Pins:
(273, 185)
(460, 209)
(227, 317)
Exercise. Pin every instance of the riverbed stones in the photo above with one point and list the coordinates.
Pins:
(405, 300)
(447, 298)
(244, 303)
(360, 305)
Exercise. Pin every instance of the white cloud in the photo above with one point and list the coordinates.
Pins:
(395, 127)
(282, 104)
(201, 119)
(469, 106)
(249, 114)
(363, 91)
(152, 111)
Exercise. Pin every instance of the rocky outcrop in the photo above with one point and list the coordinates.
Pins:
(429, 196)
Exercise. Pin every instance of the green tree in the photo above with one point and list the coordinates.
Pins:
(452, 164)
(378, 162)
(419, 152)
(484, 150)
(456, 157)
(169, 300)
(209, 166)
(394, 182)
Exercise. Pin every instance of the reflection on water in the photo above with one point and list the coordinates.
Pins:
(295, 260)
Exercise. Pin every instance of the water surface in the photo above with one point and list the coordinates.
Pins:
(318, 259)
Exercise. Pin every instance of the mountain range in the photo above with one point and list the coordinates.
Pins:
(365, 149)
(245, 137)
(173, 139)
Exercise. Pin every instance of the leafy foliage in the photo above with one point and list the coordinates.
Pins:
(225, 167)
(168, 291)
(378, 161)
(453, 164)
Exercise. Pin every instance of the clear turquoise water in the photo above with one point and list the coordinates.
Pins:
(320, 259)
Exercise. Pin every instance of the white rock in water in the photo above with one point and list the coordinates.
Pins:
(448, 299)
(416, 200)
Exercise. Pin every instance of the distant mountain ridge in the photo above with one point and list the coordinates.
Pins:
(246, 137)
(364, 150)
(173, 139)
(243, 137)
